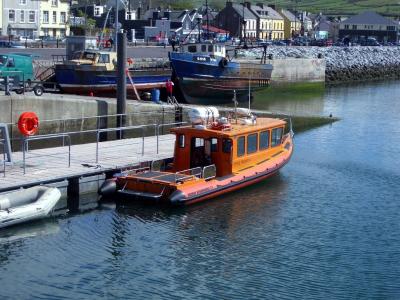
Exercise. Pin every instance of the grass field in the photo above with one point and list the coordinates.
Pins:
(390, 7)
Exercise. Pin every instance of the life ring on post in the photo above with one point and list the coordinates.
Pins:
(129, 61)
(28, 123)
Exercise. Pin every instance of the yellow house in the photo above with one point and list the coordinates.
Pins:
(292, 24)
(54, 16)
(270, 24)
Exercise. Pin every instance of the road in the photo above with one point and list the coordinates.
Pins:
(46, 53)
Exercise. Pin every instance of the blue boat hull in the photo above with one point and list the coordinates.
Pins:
(85, 80)
(204, 79)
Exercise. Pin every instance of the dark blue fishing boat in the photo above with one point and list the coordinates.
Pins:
(204, 73)
(94, 71)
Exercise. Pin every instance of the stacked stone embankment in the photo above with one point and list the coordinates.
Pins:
(343, 63)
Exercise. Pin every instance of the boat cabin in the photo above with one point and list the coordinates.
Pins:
(204, 48)
(105, 59)
(230, 147)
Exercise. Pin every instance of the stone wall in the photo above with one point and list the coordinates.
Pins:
(343, 64)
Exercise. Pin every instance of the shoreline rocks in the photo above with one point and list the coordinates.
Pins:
(343, 64)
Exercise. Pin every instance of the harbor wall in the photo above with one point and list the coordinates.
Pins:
(58, 110)
(343, 64)
(293, 70)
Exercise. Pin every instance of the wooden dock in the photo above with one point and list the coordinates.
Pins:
(51, 165)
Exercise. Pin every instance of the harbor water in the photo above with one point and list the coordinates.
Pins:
(326, 227)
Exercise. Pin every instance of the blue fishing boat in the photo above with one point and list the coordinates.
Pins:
(204, 73)
(94, 71)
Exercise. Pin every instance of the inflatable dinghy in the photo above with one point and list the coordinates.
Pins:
(27, 204)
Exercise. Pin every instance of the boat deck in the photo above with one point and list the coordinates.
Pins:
(52, 164)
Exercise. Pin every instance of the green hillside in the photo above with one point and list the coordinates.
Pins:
(386, 7)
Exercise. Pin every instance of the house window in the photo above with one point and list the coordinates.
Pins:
(11, 15)
(45, 16)
(54, 17)
(54, 2)
(130, 15)
(63, 17)
(354, 27)
(264, 140)
(346, 26)
(46, 31)
(252, 143)
(390, 28)
(62, 32)
(22, 2)
(203, 48)
(276, 137)
(241, 146)
(32, 18)
(22, 16)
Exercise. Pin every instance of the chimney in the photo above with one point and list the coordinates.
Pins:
(167, 14)
(247, 4)
(272, 6)
(228, 3)
(260, 5)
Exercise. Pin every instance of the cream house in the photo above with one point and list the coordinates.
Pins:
(54, 18)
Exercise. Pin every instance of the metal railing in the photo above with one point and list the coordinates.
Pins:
(25, 145)
(189, 174)
(120, 129)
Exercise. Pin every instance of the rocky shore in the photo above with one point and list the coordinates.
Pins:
(343, 64)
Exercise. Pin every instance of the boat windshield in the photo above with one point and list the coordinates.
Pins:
(88, 55)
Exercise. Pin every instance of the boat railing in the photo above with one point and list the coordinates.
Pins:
(188, 174)
(209, 172)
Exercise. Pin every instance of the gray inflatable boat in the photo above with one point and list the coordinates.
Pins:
(27, 204)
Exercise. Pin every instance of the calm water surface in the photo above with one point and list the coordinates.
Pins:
(327, 227)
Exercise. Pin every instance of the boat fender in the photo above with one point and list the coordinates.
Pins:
(28, 123)
(108, 187)
(177, 197)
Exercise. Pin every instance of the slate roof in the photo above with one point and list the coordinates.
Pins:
(271, 13)
(370, 18)
(291, 17)
(239, 10)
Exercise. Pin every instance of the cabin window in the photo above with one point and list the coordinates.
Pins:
(199, 142)
(264, 140)
(181, 139)
(210, 48)
(252, 143)
(214, 145)
(192, 49)
(276, 136)
(104, 58)
(203, 48)
(240, 146)
(227, 146)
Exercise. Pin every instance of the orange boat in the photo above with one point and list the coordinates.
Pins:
(213, 156)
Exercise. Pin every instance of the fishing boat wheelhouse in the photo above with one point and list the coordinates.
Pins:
(213, 157)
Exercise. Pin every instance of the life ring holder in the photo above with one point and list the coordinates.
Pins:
(28, 123)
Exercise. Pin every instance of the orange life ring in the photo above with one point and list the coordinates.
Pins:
(28, 123)
(129, 61)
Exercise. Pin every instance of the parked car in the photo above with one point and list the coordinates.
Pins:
(369, 42)
(12, 44)
(278, 43)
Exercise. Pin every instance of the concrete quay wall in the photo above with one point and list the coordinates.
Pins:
(343, 64)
